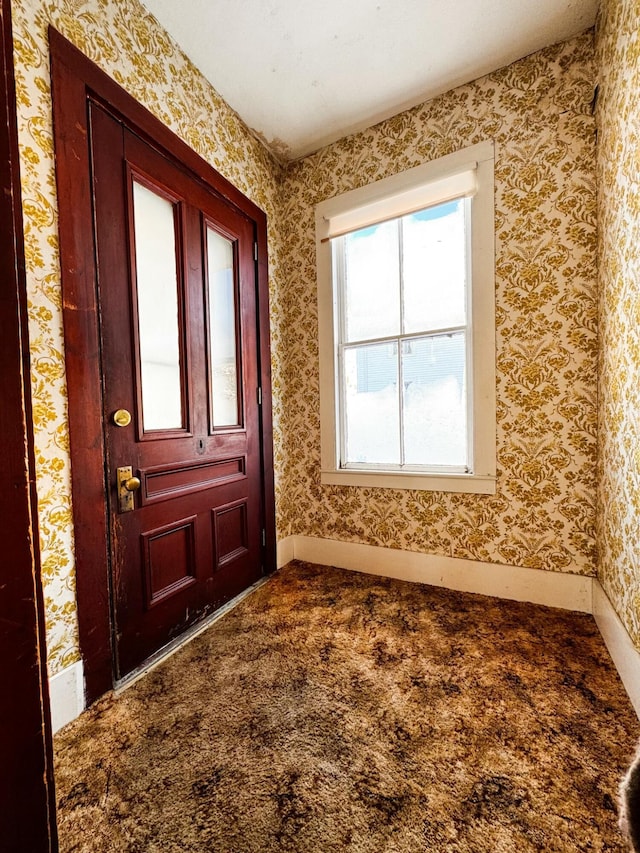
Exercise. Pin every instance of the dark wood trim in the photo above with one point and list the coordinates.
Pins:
(82, 352)
(27, 802)
(266, 411)
(75, 82)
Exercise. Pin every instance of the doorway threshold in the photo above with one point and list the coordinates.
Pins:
(120, 685)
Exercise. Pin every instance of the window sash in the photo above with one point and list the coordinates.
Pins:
(342, 345)
(402, 465)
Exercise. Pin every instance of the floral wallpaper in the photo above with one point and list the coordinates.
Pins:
(618, 121)
(539, 112)
(129, 45)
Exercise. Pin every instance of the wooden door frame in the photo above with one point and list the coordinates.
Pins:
(75, 79)
(27, 812)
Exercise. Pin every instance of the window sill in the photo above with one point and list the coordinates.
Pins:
(479, 484)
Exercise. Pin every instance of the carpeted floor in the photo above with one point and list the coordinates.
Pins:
(333, 711)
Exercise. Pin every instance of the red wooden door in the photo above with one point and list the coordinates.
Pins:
(177, 302)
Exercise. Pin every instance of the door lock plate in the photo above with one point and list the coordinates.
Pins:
(127, 485)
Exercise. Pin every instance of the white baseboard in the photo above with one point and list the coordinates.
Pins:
(284, 551)
(66, 695)
(555, 589)
(623, 653)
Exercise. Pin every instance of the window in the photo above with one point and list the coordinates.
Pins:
(407, 339)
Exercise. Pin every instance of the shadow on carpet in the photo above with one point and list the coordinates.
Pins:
(334, 711)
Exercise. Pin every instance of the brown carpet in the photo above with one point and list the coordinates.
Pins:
(332, 711)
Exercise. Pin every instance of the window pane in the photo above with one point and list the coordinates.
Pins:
(157, 289)
(372, 284)
(371, 404)
(435, 409)
(222, 331)
(435, 267)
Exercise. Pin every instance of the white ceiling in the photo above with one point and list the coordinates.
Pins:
(302, 74)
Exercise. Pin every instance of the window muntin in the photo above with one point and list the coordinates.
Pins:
(402, 341)
(463, 174)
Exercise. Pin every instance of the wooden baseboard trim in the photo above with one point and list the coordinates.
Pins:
(617, 640)
(285, 551)
(516, 583)
(66, 695)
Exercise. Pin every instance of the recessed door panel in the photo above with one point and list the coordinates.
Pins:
(169, 558)
(231, 535)
(176, 284)
(168, 481)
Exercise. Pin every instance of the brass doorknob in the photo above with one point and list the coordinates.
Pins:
(127, 485)
(132, 484)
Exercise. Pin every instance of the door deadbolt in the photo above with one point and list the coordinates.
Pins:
(122, 418)
(127, 485)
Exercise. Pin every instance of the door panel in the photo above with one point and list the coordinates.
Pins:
(169, 560)
(176, 292)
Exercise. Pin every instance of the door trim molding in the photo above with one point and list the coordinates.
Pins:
(75, 79)
(27, 815)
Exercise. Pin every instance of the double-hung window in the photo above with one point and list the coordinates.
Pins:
(407, 338)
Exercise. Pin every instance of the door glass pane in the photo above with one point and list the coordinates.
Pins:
(222, 331)
(372, 282)
(157, 288)
(435, 407)
(435, 267)
(371, 404)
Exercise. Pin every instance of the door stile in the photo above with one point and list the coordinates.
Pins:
(106, 174)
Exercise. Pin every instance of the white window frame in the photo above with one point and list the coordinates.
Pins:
(434, 182)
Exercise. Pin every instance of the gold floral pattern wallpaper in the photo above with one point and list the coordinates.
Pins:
(539, 112)
(128, 44)
(618, 121)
